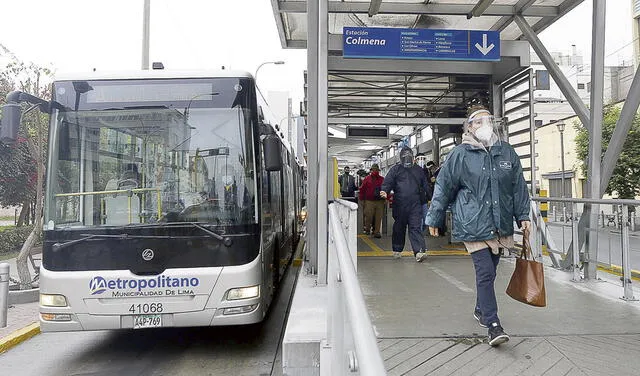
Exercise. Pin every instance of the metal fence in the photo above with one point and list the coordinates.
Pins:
(618, 244)
(351, 347)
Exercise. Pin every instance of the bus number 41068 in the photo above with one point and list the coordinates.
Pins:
(146, 308)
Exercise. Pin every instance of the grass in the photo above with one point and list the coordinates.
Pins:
(2, 228)
(7, 218)
(10, 255)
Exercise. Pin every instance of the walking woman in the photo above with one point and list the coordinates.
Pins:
(482, 179)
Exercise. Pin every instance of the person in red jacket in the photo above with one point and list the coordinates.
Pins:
(369, 195)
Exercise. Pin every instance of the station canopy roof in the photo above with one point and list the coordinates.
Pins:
(495, 15)
(401, 99)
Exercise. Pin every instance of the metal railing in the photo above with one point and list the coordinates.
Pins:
(128, 192)
(557, 244)
(351, 346)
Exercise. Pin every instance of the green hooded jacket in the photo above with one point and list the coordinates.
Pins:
(486, 189)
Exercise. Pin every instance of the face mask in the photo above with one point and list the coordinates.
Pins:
(484, 133)
(406, 158)
(407, 162)
(375, 173)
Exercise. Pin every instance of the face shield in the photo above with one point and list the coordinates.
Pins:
(484, 127)
(406, 157)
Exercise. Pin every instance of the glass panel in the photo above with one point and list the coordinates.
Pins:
(188, 159)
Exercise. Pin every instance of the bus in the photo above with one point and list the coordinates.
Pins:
(171, 201)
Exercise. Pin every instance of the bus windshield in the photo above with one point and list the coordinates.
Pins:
(126, 152)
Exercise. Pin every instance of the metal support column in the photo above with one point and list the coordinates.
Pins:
(4, 293)
(436, 144)
(323, 139)
(312, 134)
(575, 251)
(569, 92)
(146, 17)
(532, 135)
(626, 267)
(595, 139)
(497, 100)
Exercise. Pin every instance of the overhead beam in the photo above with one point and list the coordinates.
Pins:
(479, 8)
(505, 21)
(275, 6)
(563, 9)
(418, 9)
(396, 121)
(338, 63)
(558, 76)
(374, 7)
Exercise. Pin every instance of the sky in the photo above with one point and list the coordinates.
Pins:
(80, 35)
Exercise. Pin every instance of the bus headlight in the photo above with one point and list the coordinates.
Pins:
(50, 300)
(243, 293)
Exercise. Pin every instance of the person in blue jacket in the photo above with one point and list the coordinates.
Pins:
(482, 179)
(410, 192)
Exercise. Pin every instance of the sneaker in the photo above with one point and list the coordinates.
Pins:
(420, 256)
(478, 316)
(377, 235)
(497, 335)
(397, 255)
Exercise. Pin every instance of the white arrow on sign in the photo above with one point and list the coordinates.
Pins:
(484, 48)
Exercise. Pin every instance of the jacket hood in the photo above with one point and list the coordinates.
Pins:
(467, 138)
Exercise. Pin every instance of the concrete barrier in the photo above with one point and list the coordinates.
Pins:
(24, 296)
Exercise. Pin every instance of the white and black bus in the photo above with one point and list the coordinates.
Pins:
(170, 202)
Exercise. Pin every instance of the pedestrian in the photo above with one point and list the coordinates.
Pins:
(420, 161)
(369, 195)
(411, 190)
(347, 184)
(482, 179)
(432, 170)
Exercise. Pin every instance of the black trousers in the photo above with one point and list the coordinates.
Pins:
(407, 215)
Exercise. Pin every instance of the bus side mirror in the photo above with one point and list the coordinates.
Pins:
(272, 153)
(10, 123)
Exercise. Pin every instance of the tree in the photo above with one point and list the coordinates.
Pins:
(625, 180)
(29, 150)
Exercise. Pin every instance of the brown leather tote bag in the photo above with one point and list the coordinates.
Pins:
(527, 280)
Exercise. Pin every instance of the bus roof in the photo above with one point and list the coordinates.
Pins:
(150, 74)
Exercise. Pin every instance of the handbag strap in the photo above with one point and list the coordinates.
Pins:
(526, 247)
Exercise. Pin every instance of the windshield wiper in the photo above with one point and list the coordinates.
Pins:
(58, 246)
(224, 239)
(227, 241)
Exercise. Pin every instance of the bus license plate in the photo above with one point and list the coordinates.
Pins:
(147, 321)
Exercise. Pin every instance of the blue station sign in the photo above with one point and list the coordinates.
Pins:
(428, 44)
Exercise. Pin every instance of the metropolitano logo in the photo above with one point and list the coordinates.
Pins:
(97, 285)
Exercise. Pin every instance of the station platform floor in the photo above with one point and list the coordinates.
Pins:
(422, 314)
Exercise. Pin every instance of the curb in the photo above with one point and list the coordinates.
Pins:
(24, 296)
(19, 336)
